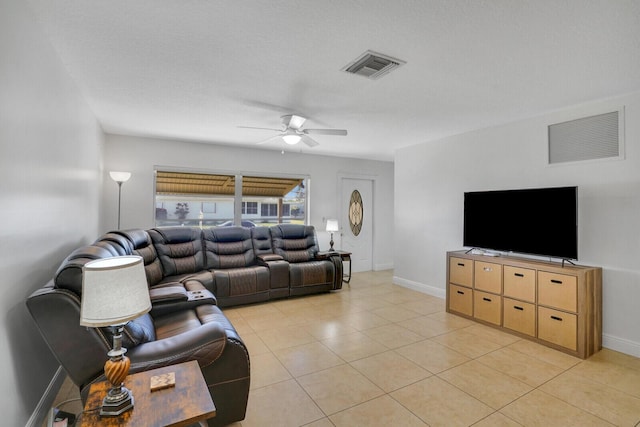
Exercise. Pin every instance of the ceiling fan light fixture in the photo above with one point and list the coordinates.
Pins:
(291, 139)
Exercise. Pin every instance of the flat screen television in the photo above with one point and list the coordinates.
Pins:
(538, 221)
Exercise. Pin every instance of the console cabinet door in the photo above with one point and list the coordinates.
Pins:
(488, 277)
(558, 291)
(520, 283)
(461, 271)
(461, 299)
(487, 307)
(558, 327)
(519, 316)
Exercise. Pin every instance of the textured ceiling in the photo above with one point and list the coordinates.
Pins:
(197, 69)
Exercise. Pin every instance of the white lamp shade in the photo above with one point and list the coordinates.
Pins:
(332, 225)
(291, 139)
(120, 176)
(114, 291)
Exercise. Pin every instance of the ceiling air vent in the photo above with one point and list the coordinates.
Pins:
(373, 65)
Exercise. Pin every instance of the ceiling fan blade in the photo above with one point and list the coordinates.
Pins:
(253, 127)
(309, 141)
(340, 132)
(270, 139)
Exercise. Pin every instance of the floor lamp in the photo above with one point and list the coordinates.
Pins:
(119, 177)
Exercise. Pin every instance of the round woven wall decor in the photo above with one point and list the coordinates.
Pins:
(355, 212)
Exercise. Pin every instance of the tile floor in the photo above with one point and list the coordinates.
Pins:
(377, 354)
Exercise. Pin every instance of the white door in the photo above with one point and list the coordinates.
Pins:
(356, 225)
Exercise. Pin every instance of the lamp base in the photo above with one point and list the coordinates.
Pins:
(114, 406)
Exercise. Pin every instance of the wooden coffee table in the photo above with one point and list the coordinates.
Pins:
(184, 404)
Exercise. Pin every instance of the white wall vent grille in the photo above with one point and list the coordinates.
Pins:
(372, 65)
(588, 138)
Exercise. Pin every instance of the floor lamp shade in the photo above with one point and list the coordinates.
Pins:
(120, 176)
(114, 291)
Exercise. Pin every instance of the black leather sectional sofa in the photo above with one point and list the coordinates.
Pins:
(191, 274)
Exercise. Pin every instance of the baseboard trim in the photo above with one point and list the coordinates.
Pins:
(420, 287)
(47, 400)
(381, 267)
(622, 345)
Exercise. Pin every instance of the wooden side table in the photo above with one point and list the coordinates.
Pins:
(345, 255)
(184, 404)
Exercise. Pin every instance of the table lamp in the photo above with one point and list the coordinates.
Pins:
(332, 227)
(114, 291)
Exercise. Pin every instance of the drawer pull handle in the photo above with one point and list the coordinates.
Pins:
(518, 308)
(557, 318)
(486, 299)
(461, 264)
(461, 293)
(487, 269)
(557, 282)
(518, 274)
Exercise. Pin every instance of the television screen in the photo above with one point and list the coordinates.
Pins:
(540, 221)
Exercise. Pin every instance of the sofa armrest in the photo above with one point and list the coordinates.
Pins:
(204, 344)
(168, 293)
(266, 258)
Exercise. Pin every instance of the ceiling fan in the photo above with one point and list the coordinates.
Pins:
(292, 132)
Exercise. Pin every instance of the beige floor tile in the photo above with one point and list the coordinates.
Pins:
(485, 384)
(339, 388)
(265, 321)
(469, 344)
(438, 403)
(605, 402)
(432, 356)
(282, 404)
(497, 420)
(322, 329)
(424, 306)
(520, 366)
(254, 344)
(541, 409)
(266, 369)
(395, 313)
(491, 334)
(370, 302)
(324, 422)
(426, 326)
(364, 320)
(307, 358)
(393, 336)
(605, 355)
(354, 346)
(616, 376)
(380, 412)
(390, 371)
(451, 320)
(285, 337)
(545, 354)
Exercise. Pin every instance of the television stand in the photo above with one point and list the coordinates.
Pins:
(553, 304)
(567, 260)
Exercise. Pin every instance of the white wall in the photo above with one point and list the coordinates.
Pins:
(50, 153)
(140, 155)
(430, 180)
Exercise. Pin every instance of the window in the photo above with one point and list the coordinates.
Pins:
(269, 209)
(209, 200)
(250, 208)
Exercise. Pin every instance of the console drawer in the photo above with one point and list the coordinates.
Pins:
(558, 291)
(558, 327)
(487, 307)
(461, 299)
(520, 283)
(519, 316)
(488, 277)
(461, 271)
